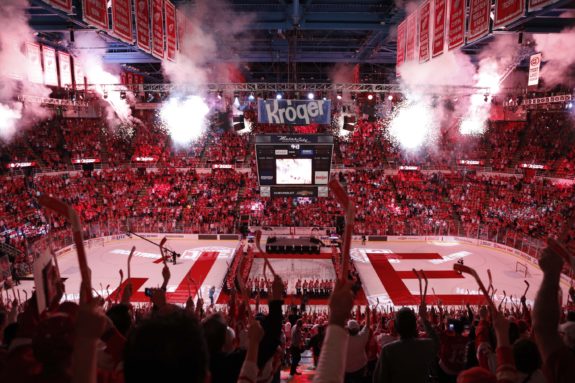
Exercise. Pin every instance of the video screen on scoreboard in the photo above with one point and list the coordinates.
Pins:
(293, 171)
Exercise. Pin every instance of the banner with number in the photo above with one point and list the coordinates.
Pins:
(411, 37)
(456, 31)
(50, 69)
(96, 13)
(424, 16)
(534, 66)
(158, 28)
(65, 5)
(122, 20)
(479, 11)
(65, 69)
(33, 54)
(439, 13)
(535, 5)
(400, 46)
(170, 30)
(143, 25)
(507, 11)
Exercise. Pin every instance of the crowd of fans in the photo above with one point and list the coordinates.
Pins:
(110, 340)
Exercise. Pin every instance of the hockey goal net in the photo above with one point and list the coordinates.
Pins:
(522, 269)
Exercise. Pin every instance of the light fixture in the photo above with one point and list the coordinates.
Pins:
(310, 96)
(279, 96)
(390, 97)
(122, 95)
(370, 97)
(339, 95)
(251, 97)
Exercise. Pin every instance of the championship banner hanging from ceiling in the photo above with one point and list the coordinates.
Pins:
(424, 19)
(50, 69)
(479, 12)
(439, 12)
(33, 54)
(65, 5)
(96, 13)
(456, 31)
(79, 76)
(411, 37)
(182, 24)
(122, 20)
(507, 11)
(143, 25)
(65, 69)
(534, 66)
(535, 5)
(170, 30)
(400, 46)
(158, 28)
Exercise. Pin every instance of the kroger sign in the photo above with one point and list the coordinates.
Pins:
(294, 112)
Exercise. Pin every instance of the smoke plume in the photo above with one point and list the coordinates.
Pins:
(14, 68)
(557, 54)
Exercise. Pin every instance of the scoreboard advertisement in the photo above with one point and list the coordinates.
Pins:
(294, 165)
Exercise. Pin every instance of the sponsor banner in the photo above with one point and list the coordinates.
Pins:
(321, 177)
(408, 167)
(65, 5)
(96, 13)
(170, 30)
(470, 162)
(534, 166)
(548, 100)
(294, 112)
(145, 159)
(534, 66)
(411, 37)
(50, 68)
(86, 161)
(456, 30)
(507, 11)
(424, 24)
(34, 63)
(158, 28)
(65, 69)
(222, 166)
(401, 29)
(439, 12)
(293, 191)
(143, 25)
(534, 5)
(122, 20)
(181, 28)
(294, 139)
(14, 165)
(479, 12)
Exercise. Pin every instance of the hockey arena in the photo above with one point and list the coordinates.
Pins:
(252, 191)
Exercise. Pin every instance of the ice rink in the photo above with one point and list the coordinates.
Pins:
(385, 269)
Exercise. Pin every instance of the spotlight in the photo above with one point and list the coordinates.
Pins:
(220, 94)
(279, 96)
(370, 97)
(310, 96)
(122, 95)
(251, 97)
(390, 97)
(339, 95)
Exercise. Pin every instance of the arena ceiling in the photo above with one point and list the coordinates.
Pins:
(297, 40)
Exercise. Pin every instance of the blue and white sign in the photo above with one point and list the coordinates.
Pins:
(294, 112)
